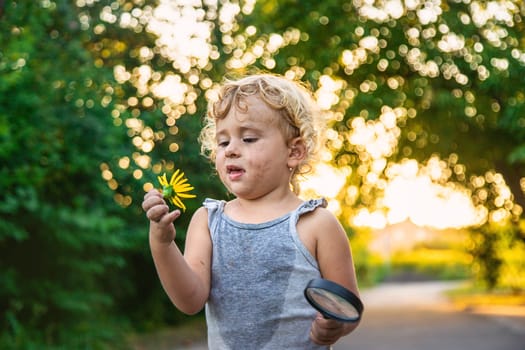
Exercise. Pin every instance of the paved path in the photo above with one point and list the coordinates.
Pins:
(416, 316)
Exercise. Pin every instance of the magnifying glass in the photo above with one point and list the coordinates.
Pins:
(333, 300)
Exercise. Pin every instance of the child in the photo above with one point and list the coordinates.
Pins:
(249, 259)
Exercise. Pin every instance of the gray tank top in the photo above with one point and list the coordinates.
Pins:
(259, 272)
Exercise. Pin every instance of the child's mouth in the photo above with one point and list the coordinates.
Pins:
(234, 172)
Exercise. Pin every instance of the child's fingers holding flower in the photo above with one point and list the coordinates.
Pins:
(161, 219)
(158, 211)
(154, 205)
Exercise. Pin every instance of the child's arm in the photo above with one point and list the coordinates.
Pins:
(185, 278)
(333, 254)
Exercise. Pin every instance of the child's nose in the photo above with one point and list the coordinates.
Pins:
(232, 150)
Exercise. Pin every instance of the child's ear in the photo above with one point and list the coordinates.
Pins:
(296, 152)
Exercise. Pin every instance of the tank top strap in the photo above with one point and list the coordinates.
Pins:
(215, 208)
(308, 206)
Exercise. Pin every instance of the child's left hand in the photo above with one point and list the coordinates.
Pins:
(326, 331)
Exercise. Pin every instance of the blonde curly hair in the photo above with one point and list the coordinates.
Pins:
(293, 101)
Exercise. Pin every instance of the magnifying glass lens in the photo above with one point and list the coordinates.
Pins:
(333, 300)
(333, 303)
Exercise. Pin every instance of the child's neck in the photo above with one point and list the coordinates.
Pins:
(255, 211)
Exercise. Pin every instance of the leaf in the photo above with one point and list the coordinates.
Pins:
(517, 155)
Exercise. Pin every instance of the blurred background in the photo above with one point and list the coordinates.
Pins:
(424, 160)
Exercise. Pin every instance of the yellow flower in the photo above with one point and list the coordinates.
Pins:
(174, 190)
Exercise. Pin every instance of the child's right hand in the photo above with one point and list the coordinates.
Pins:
(161, 219)
(326, 331)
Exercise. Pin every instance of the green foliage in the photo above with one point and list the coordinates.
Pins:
(62, 240)
(75, 267)
(512, 266)
(433, 263)
(499, 257)
(370, 267)
(485, 250)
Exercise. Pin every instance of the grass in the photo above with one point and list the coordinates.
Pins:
(476, 298)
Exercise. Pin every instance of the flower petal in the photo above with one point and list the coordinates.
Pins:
(181, 182)
(176, 200)
(175, 175)
(183, 188)
(186, 195)
(162, 180)
(176, 181)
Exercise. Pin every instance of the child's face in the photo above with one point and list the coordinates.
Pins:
(252, 152)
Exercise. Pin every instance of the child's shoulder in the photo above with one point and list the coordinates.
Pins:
(320, 215)
(200, 214)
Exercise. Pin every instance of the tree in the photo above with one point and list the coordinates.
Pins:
(75, 139)
(433, 78)
(438, 79)
(62, 238)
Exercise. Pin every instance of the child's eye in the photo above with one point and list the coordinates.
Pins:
(250, 139)
(223, 143)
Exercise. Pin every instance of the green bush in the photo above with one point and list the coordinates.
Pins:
(435, 263)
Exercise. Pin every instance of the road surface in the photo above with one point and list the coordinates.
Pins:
(417, 316)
